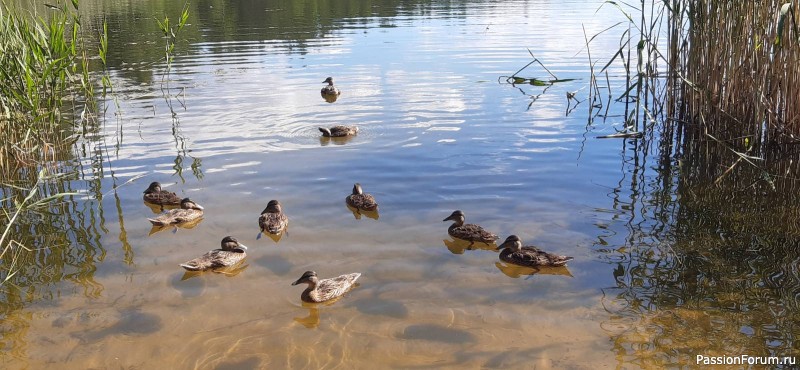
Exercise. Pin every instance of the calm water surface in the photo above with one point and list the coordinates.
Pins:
(235, 125)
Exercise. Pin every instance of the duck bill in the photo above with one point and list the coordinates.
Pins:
(298, 281)
(197, 206)
(242, 247)
(449, 218)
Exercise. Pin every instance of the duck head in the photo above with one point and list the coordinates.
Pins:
(328, 81)
(230, 243)
(456, 216)
(187, 203)
(272, 207)
(154, 187)
(309, 277)
(357, 189)
(513, 242)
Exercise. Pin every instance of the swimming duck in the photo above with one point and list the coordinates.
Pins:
(470, 232)
(514, 252)
(230, 253)
(330, 89)
(155, 195)
(189, 211)
(272, 219)
(325, 289)
(338, 131)
(361, 201)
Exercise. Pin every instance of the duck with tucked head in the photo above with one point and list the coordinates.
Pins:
(230, 253)
(272, 219)
(338, 131)
(469, 232)
(189, 211)
(330, 89)
(361, 201)
(155, 195)
(325, 289)
(514, 252)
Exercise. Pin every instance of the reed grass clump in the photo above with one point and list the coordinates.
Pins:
(44, 63)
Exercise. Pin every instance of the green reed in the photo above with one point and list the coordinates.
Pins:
(726, 72)
(44, 62)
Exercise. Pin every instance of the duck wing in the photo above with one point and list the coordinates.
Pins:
(214, 259)
(472, 232)
(334, 287)
(273, 223)
(362, 201)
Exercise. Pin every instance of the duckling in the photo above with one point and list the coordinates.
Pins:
(325, 289)
(514, 252)
(230, 253)
(330, 89)
(339, 131)
(189, 211)
(469, 232)
(361, 201)
(272, 219)
(155, 195)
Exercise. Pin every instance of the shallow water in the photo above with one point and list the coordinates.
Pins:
(235, 125)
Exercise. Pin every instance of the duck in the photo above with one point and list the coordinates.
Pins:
(272, 219)
(339, 131)
(330, 89)
(155, 195)
(325, 289)
(230, 253)
(189, 211)
(361, 201)
(470, 232)
(514, 252)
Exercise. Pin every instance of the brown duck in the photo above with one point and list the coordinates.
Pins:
(329, 89)
(155, 195)
(325, 289)
(361, 201)
(189, 211)
(339, 131)
(514, 252)
(469, 232)
(230, 253)
(272, 219)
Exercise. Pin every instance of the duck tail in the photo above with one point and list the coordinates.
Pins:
(156, 222)
(190, 266)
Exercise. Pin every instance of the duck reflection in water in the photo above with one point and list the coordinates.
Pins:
(516, 271)
(341, 140)
(330, 98)
(174, 227)
(227, 271)
(459, 246)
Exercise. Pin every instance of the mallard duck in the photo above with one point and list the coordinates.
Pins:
(338, 131)
(189, 211)
(330, 89)
(272, 219)
(514, 252)
(155, 195)
(361, 201)
(470, 232)
(325, 289)
(230, 253)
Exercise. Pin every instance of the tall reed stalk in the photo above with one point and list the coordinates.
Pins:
(43, 62)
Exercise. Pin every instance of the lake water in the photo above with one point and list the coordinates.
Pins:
(660, 275)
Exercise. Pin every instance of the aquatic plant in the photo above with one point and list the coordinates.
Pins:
(44, 62)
